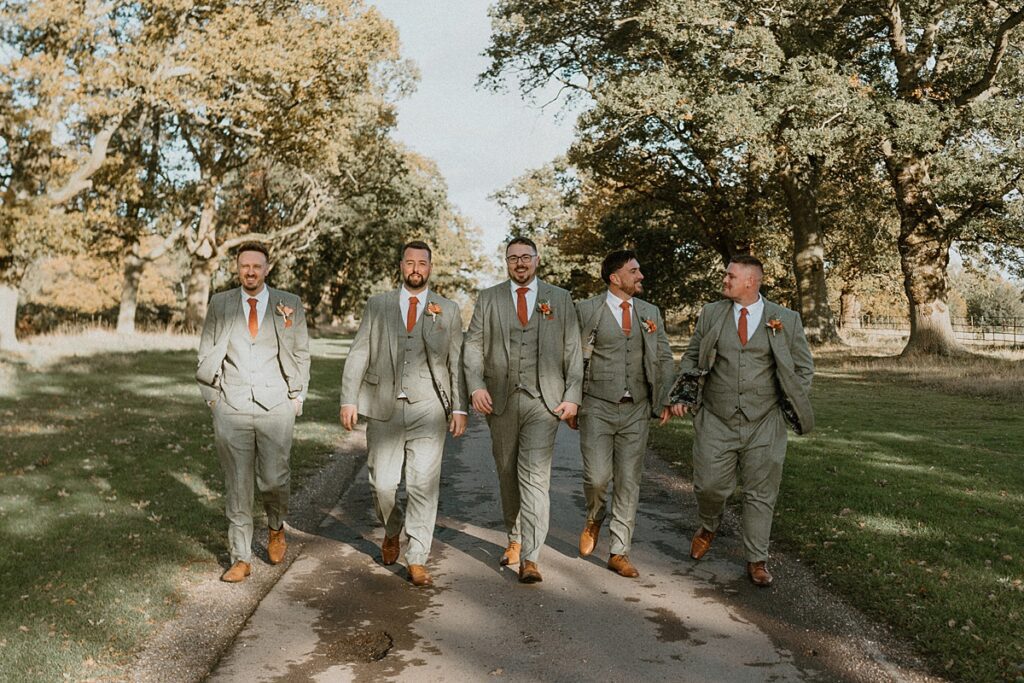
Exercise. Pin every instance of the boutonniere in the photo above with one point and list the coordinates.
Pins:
(434, 310)
(774, 324)
(286, 312)
(650, 325)
(545, 308)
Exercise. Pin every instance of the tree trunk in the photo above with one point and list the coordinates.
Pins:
(199, 281)
(849, 309)
(132, 276)
(800, 189)
(924, 256)
(8, 317)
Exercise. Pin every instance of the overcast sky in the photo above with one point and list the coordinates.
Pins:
(480, 140)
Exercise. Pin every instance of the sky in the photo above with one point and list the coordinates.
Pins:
(479, 139)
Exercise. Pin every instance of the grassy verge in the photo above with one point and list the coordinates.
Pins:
(908, 499)
(110, 497)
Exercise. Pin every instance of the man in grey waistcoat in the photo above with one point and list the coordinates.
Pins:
(524, 372)
(757, 360)
(254, 374)
(403, 374)
(629, 370)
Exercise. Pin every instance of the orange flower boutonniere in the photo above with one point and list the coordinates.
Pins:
(545, 308)
(286, 312)
(434, 310)
(774, 325)
(650, 325)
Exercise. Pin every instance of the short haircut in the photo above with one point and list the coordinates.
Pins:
(416, 244)
(521, 240)
(615, 260)
(253, 246)
(748, 260)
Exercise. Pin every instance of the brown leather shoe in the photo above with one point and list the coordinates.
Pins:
(528, 572)
(701, 542)
(389, 550)
(237, 573)
(276, 545)
(621, 565)
(758, 573)
(588, 538)
(511, 554)
(419, 576)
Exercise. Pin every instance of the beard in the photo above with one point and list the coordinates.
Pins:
(415, 280)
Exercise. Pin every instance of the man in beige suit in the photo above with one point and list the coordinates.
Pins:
(254, 374)
(403, 375)
(629, 370)
(758, 362)
(524, 372)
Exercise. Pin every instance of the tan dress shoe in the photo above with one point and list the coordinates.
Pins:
(389, 550)
(529, 573)
(701, 543)
(276, 546)
(237, 573)
(759, 574)
(588, 538)
(621, 565)
(511, 554)
(419, 576)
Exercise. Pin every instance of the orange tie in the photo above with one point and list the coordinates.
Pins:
(742, 327)
(627, 321)
(410, 319)
(254, 323)
(521, 305)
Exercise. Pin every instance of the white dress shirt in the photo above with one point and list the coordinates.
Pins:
(615, 306)
(421, 302)
(754, 313)
(262, 300)
(531, 296)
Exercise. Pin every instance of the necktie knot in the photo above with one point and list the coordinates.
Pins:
(253, 302)
(743, 312)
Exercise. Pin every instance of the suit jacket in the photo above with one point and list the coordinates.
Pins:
(485, 358)
(659, 366)
(794, 365)
(292, 340)
(369, 379)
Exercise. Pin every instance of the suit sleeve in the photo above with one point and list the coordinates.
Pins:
(209, 390)
(800, 350)
(666, 364)
(572, 356)
(301, 349)
(358, 359)
(473, 350)
(458, 388)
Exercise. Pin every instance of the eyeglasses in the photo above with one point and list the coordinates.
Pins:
(525, 258)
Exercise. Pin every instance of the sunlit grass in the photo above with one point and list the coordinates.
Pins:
(908, 500)
(110, 495)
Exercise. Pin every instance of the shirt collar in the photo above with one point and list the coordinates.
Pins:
(404, 295)
(616, 301)
(532, 286)
(756, 306)
(262, 298)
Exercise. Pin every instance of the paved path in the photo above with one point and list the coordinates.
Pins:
(338, 615)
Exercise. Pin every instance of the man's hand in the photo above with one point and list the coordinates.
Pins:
(666, 415)
(573, 422)
(298, 406)
(679, 409)
(457, 425)
(349, 417)
(482, 402)
(566, 411)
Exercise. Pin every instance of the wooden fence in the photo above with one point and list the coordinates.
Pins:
(991, 331)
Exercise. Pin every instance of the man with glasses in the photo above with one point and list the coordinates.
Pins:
(524, 371)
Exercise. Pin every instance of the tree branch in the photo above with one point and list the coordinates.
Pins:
(985, 87)
(80, 179)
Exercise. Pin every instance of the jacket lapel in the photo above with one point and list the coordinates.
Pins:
(546, 328)
(506, 313)
(393, 320)
(719, 319)
(777, 341)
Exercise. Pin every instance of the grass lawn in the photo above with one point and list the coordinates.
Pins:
(111, 496)
(908, 500)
